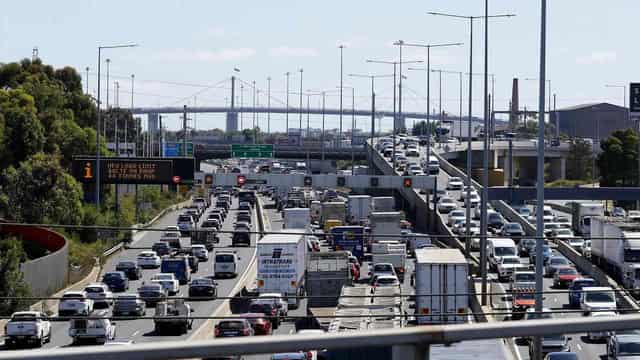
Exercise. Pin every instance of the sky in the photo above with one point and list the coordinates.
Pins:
(188, 49)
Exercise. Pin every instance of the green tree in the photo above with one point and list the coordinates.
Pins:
(23, 131)
(39, 191)
(580, 160)
(11, 279)
(618, 161)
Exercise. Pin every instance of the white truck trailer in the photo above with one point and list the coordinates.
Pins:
(281, 265)
(442, 272)
(615, 247)
(359, 208)
(385, 223)
(581, 215)
(297, 218)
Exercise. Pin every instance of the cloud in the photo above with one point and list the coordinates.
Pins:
(598, 58)
(187, 55)
(286, 51)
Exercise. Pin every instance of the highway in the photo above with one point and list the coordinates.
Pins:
(141, 330)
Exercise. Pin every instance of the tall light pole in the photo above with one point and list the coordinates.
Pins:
(341, 47)
(268, 104)
(394, 63)
(372, 77)
(353, 121)
(287, 113)
(104, 130)
(483, 215)
(428, 69)
(300, 109)
(624, 89)
(97, 172)
(255, 132)
(241, 105)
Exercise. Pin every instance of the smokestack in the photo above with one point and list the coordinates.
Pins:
(515, 105)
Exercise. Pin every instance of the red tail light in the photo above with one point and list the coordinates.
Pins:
(246, 332)
(309, 355)
(401, 270)
(274, 312)
(216, 332)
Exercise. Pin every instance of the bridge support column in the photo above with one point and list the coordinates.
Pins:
(558, 169)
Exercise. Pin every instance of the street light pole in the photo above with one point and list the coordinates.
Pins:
(269, 105)
(241, 106)
(97, 170)
(300, 110)
(287, 113)
(483, 219)
(372, 77)
(87, 79)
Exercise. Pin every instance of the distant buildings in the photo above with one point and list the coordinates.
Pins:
(593, 121)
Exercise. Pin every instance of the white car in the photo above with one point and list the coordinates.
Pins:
(463, 193)
(149, 259)
(27, 327)
(446, 205)
(168, 281)
(456, 214)
(385, 281)
(95, 330)
(474, 200)
(455, 183)
(597, 298)
(412, 152)
(75, 303)
(226, 264)
(100, 294)
(506, 266)
(200, 252)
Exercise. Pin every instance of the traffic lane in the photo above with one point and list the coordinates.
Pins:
(60, 329)
(142, 330)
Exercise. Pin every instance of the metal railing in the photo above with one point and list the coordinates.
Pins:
(407, 343)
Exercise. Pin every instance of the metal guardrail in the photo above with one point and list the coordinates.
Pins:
(411, 343)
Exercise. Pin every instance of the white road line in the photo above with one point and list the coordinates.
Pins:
(135, 333)
(291, 332)
(579, 347)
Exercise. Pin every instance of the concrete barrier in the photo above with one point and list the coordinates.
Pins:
(625, 300)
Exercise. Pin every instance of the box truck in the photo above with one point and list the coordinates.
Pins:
(581, 215)
(385, 223)
(327, 273)
(359, 208)
(442, 272)
(334, 210)
(297, 218)
(383, 203)
(349, 238)
(615, 247)
(281, 265)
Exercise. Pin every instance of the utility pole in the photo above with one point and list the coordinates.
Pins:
(300, 109)
(322, 136)
(104, 130)
(87, 79)
(241, 105)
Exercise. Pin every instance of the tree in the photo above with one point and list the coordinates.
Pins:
(24, 134)
(40, 191)
(618, 162)
(421, 128)
(579, 160)
(11, 278)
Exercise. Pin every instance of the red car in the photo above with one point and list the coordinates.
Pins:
(564, 276)
(355, 272)
(233, 328)
(260, 324)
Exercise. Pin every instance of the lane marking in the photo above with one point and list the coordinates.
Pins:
(579, 347)
(135, 333)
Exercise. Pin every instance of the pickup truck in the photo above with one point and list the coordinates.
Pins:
(27, 328)
(173, 314)
(93, 330)
(75, 303)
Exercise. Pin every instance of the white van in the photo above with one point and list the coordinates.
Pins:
(433, 165)
(498, 248)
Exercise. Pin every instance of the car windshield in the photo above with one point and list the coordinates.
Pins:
(513, 227)
(126, 264)
(569, 271)
(224, 258)
(565, 232)
(112, 276)
(23, 317)
(593, 296)
(510, 260)
(201, 282)
(522, 277)
(558, 261)
(629, 348)
(186, 218)
(94, 289)
(386, 281)
(171, 234)
(504, 251)
(382, 268)
(231, 325)
(261, 307)
(577, 285)
(146, 255)
(73, 296)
